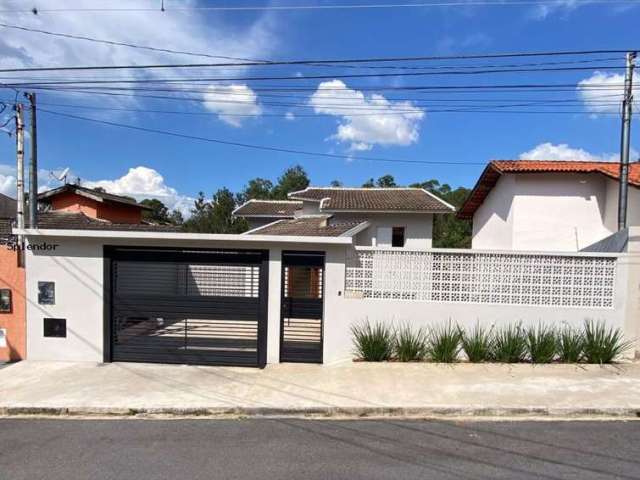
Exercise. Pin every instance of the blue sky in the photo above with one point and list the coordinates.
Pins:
(175, 169)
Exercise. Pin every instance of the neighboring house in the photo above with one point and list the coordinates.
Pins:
(261, 212)
(548, 205)
(12, 288)
(377, 217)
(69, 207)
(93, 204)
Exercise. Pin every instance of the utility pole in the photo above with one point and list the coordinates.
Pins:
(33, 165)
(20, 164)
(625, 140)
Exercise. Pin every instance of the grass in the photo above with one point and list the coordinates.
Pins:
(602, 344)
(541, 344)
(509, 344)
(570, 345)
(410, 345)
(444, 344)
(476, 344)
(373, 343)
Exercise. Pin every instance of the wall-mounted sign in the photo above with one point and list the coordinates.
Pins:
(3, 338)
(46, 293)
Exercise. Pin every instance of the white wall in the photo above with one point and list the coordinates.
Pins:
(343, 312)
(418, 227)
(544, 212)
(493, 220)
(76, 267)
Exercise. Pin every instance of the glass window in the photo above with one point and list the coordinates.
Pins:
(397, 237)
(5, 300)
(46, 293)
(55, 327)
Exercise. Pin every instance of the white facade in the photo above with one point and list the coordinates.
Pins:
(77, 268)
(550, 212)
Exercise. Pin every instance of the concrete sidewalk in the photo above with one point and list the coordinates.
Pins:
(350, 389)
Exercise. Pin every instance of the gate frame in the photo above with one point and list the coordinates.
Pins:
(318, 253)
(118, 252)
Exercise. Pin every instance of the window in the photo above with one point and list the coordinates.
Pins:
(46, 293)
(397, 237)
(55, 327)
(5, 300)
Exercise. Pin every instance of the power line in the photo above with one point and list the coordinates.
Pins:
(362, 6)
(321, 61)
(261, 62)
(257, 147)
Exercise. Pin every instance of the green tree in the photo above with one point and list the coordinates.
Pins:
(159, 212)
(293, 179)
(386, 181)
(449, 231)
(336, 184)
(257, 188)
(215, 216)
(369, 183)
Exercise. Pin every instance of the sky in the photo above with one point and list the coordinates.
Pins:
(331, 115)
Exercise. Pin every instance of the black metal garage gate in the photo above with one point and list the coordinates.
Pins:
(203, 307)
(301, 329)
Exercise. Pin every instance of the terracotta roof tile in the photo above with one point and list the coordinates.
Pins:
(268, 208)
(89, 192)
(496, 168)
(80, 221)
(373, 199)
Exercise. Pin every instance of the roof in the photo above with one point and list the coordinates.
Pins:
(60, 220)
(496, 168)
(374, 199)
(268, 208)
(101, 197)
(318, 226)
(8, 207)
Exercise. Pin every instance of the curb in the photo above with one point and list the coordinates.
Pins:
(326, 412)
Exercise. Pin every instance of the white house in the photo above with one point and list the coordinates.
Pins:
(378, 217)
(548, 205)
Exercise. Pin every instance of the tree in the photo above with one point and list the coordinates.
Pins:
(336, 184)
(293, 179)
(386, 181)
(258, 188)
(369, 183)
(215, 216)
(448, 230)
(159, 212)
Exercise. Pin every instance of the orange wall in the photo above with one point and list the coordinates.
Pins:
(70, 202)
(13, 278)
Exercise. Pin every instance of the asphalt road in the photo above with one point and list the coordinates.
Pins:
(34, 449)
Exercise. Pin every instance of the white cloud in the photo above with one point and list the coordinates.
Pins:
(183, 29)
(8, 185)
(143, 182)
(540, 12)
(603, 92)
(290, 116)
(380, 125)
(562, 151)
(231, 100)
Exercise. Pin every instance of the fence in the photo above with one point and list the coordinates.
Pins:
(562, 280)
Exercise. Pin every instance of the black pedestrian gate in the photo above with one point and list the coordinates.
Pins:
(301, 329)
(202, 307)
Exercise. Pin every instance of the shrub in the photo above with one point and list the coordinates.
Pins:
(444, 344)
(509, 344)
(476, 344)
(570, 345)
(373, 343)
(410, 345)
(602, 345)
(541, 344)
